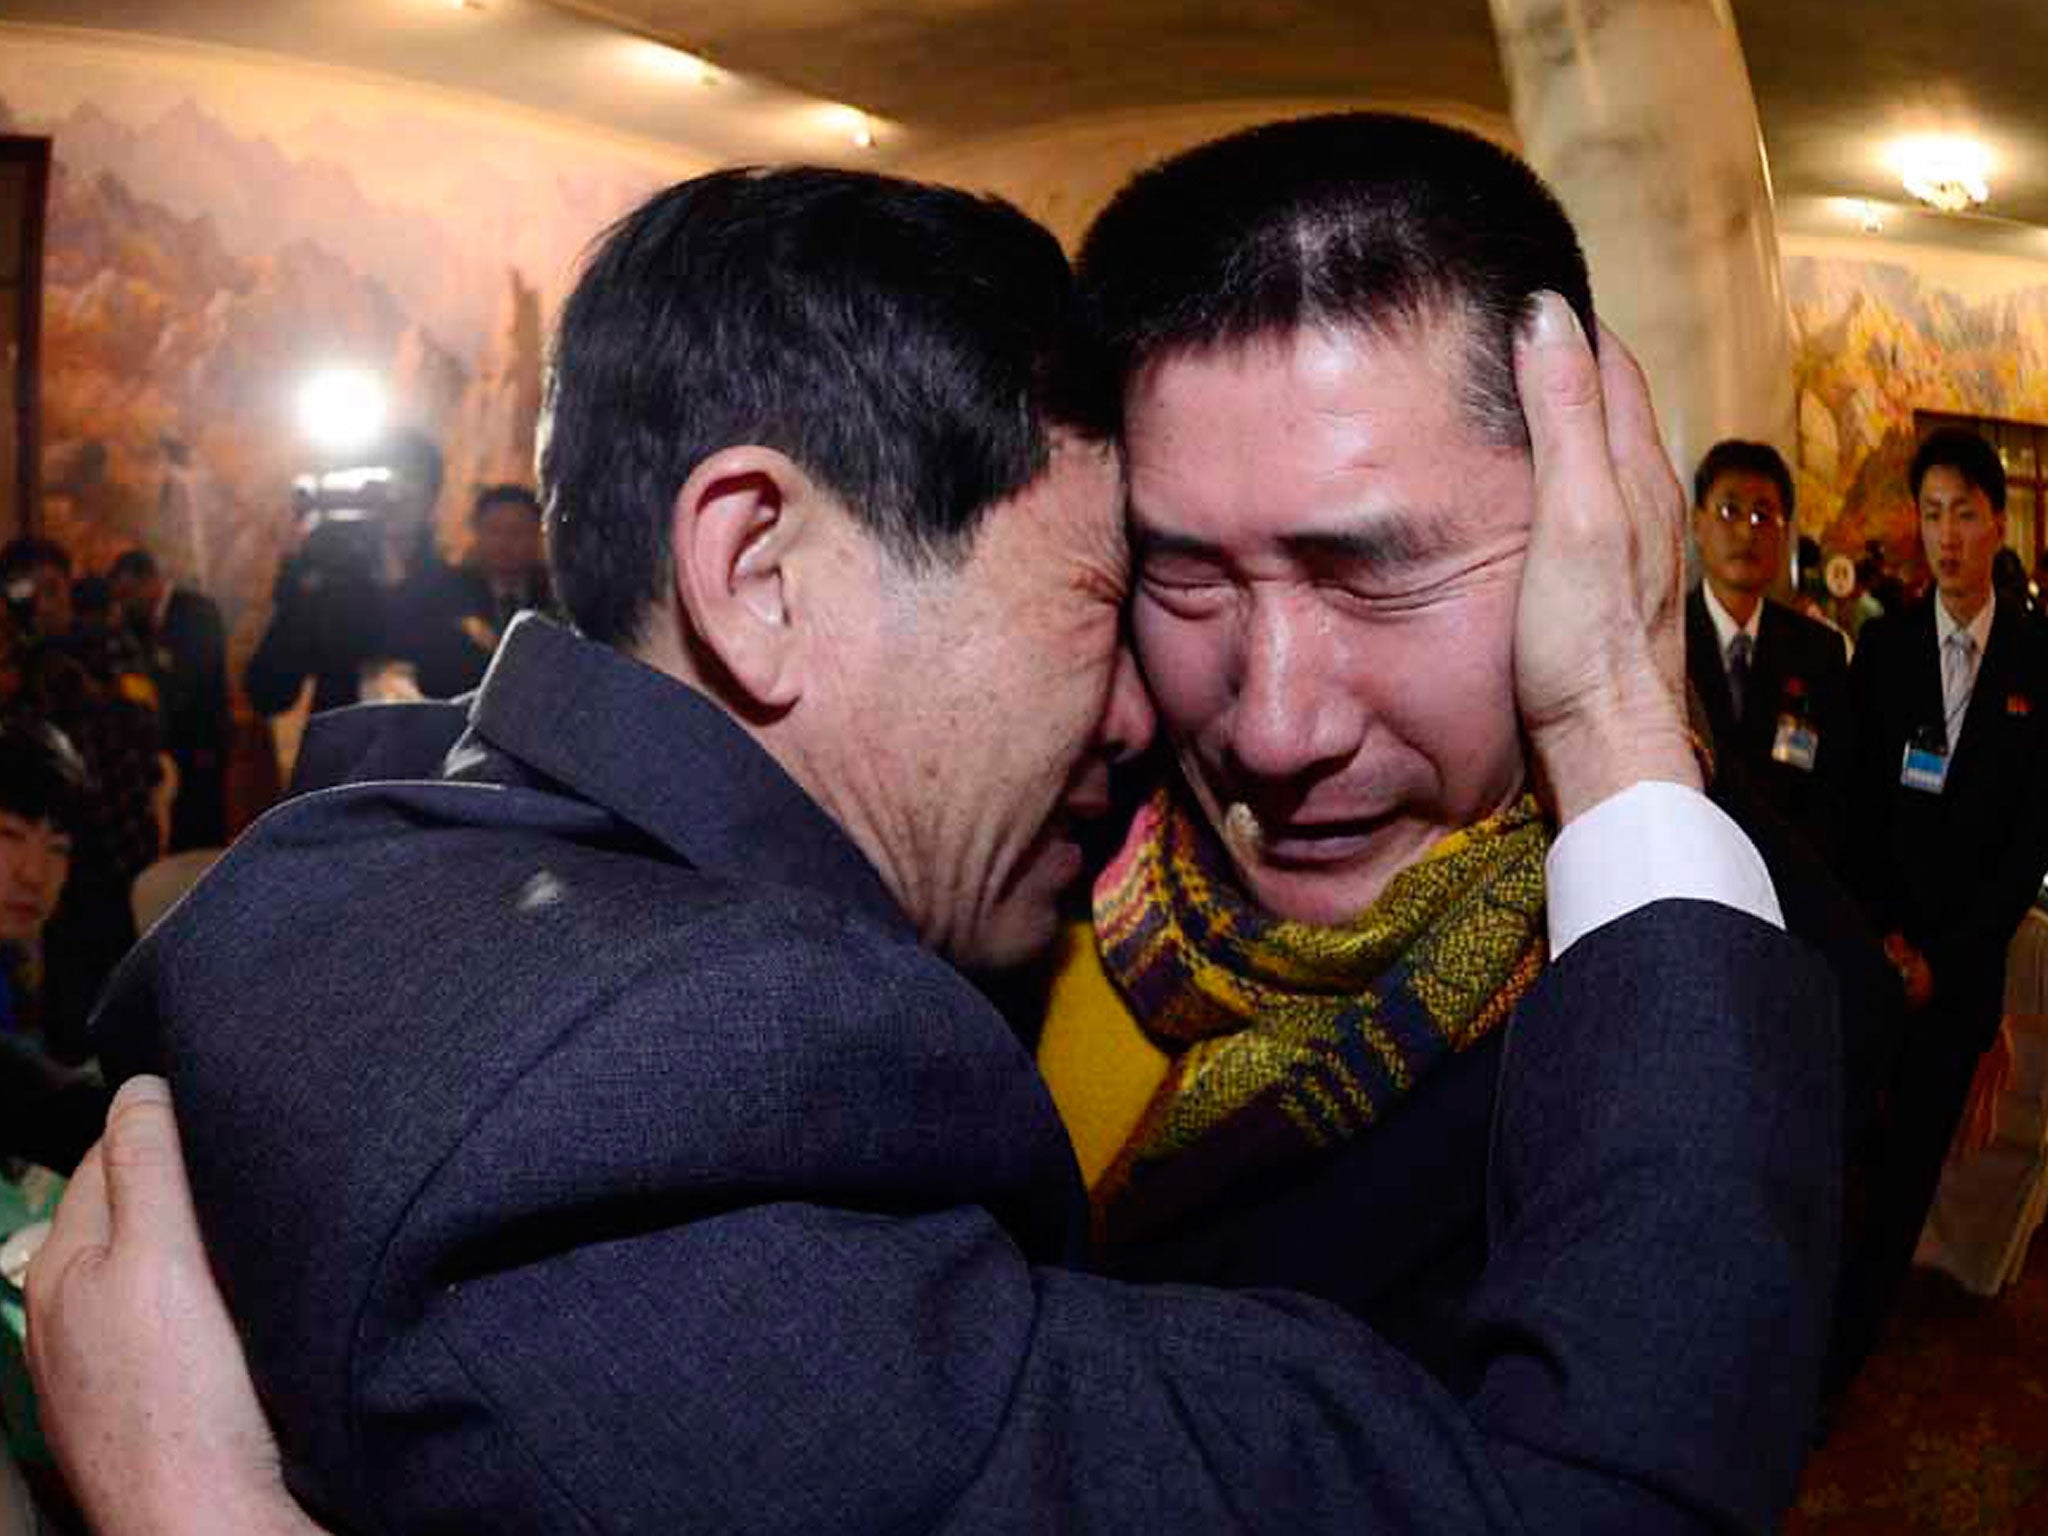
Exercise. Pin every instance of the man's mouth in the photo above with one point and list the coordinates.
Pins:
(1298, 842)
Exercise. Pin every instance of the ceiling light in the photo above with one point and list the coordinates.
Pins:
(667, 60)
(1945, 171)
(855, 124)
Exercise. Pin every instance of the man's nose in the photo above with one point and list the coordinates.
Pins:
(1292, 714)
(1127, 717)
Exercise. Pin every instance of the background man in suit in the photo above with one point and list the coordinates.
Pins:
(705, 1195)
(364, 605)
(1951, 701)
(1775, 684)
(181, 633)
(460, 612)
(506, 560)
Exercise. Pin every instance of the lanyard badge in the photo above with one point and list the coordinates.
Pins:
(1925, 767)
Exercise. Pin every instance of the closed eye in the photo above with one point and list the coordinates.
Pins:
(1187, 596)
(1405, 592)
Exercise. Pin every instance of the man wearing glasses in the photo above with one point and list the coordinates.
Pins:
(1774, 683)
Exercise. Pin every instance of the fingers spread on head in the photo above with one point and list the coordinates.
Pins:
(1631, 419)
(1650, 490)
(1555, 371)
(1559, 382)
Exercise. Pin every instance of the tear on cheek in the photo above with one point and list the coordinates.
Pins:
(1241, 832)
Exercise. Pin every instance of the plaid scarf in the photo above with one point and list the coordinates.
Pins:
(1289, 1040)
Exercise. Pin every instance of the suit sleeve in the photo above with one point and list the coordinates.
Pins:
(210, 672)
(1873, 770)
(1973, 942)
(797, 1324)
(1837, 720)
(285, 656)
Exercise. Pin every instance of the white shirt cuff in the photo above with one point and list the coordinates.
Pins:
(1652, 842)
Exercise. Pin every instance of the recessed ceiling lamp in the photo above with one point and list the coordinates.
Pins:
(850, 123)
(666, 59)
(859, 131)
(1944, 171)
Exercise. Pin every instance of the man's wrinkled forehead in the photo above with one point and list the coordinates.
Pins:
(1410, 531)
(1460, 344)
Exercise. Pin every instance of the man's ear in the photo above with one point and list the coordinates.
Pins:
(736, 523)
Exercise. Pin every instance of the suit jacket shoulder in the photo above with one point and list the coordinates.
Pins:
(1817, 650)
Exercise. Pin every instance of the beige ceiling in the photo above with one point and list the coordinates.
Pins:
(1833, 78)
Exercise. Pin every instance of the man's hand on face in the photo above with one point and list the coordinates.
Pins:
(1599, 650)
(140, 1379)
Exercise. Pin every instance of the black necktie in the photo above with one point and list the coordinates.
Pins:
(1738, 671)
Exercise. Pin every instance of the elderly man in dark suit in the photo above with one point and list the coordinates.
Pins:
(587, 1135)
(1774, 683)
(1952, 833)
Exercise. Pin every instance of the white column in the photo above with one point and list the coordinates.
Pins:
(1639, 115)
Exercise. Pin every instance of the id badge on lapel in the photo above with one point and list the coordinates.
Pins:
(1925, 767)
(1797, 743)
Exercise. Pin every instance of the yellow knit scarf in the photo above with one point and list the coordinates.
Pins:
(1290, 1039)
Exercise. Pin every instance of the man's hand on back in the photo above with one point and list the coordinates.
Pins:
(140, 1377)
(1599, 647)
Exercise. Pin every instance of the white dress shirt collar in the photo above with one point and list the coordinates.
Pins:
(1979, 628)
(1725, 627)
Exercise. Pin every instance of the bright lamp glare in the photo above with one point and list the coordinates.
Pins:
(341, 409)
(1945, 171)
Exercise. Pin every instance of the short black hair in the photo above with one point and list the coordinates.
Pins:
(506, 495)
(1363, 219)
(1735, 456)
(28, 553)
(907, 345)
(42, 777)
(137, 563)
(1968, 454)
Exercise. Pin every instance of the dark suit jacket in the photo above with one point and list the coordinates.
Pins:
(328, 618)
(1392, 1225)
(452, 624)
(1954, 872)
(585, 1142)
(188, 657)
(1798, 665)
